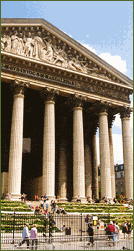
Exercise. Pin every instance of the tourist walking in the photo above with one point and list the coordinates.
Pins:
(128, 225)
(117, 230)
(25, 235)
(33, 236)
(124, 228)
(90, 233)
(110, 232)
(114, 234)
(47, 204)
(42, 203)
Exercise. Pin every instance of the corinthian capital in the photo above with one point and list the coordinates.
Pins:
(125, 112)
(101, 106)
(18, 87)
(49, 94)
(78, 100)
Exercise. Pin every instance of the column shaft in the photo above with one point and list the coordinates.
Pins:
(88, 171)
(128, 157)
(78, 155)
(104, 156)
(95, 188)
(62, 184)
(48, 182)
(113, 190)
(16, 140)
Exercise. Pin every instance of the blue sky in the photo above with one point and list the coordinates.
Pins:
(104, 27)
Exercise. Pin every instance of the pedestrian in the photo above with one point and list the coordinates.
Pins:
(90, 233)
(124, 228)
(128, 229)
(42, 203)
(117, 230)
(45, 198)
(114, 234)
(54, 206)
(63, 228)
(110, 231)
(25, 235)
(78, 199)
(47, 204)
(33, 236)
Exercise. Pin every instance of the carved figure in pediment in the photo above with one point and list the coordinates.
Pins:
(60, 58)
(74, 64)
(29, 45)
(14, 42)
(38, 45)
(48, 53)
(6, 43)
(20, 49)
(3, 42)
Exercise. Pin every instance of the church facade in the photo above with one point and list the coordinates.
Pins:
(56, 93)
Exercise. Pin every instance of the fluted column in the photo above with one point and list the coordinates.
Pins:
(16, 141)
(95, 188)
(62, 184)
(78, 154)
(48, 179)
(88, 171)
(104, 154)
(113, 189)
(127, 153)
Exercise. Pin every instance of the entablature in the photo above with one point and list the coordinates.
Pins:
(38, 39)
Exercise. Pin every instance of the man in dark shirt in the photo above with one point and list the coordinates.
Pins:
(90, 233)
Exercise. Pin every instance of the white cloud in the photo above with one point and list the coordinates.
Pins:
(115, 61)
(117, 121)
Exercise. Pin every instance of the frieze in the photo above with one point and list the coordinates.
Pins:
(93, 87)
(43, 46)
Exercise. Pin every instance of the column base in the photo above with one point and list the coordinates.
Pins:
(63, 200)
(108, 198)
(51, 197)
(13, 197)
(83, 199)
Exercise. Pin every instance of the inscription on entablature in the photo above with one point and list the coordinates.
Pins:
(94, 88)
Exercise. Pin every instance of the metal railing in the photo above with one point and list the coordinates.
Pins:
(49, 227)
(98, 244)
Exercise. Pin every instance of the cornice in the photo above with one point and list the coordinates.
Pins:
(65, 38)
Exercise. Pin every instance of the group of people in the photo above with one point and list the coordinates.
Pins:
(113, 231)
(32, 236)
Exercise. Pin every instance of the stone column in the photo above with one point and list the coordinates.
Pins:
(16, 141)
(95, 187)
(113, 189)
(48, 178)
(127, 153)
(88, 171)
(62, 184)
(104, 154)
(78, 154)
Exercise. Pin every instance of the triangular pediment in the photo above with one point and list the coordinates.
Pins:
(37, 39)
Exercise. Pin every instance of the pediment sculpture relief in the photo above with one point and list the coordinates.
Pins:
(42, 48)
